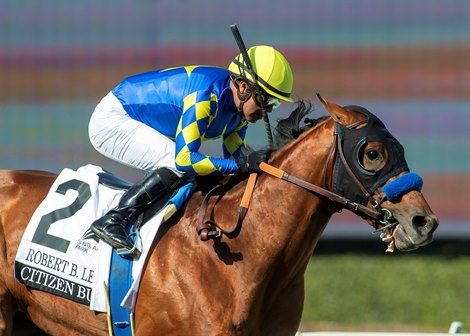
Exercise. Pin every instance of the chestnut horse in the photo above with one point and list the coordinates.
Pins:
(250, 283)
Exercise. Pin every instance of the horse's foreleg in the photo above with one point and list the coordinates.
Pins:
(6, 312)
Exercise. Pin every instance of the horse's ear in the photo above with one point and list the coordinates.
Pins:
(339, 114)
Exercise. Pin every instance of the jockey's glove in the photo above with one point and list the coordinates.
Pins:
(250, 163)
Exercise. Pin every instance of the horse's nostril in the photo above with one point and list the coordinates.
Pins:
(420, 221)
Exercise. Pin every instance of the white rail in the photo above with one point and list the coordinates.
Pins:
(455, 328)
(347, 333)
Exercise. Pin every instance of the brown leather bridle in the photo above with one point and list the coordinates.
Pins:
(382, 218)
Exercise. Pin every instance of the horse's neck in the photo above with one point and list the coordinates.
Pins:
(290, 216)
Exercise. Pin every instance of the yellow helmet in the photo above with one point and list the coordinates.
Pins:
(272, 69)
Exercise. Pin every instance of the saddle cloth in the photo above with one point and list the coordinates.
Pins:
(60, 255)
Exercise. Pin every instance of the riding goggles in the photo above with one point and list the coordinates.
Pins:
(265, 100)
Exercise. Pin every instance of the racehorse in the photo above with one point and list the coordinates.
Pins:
(250, 282)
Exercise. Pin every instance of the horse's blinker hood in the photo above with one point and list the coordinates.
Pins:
(353, 141)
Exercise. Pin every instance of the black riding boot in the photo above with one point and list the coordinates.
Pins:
(112, 227)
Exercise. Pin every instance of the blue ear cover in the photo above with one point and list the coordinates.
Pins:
(402, 185)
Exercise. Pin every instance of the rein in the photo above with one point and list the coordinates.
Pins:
(210, 229)
(357, 208)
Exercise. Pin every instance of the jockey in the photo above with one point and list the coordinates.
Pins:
(156, 121)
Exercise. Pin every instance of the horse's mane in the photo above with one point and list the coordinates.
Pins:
(286, 130)
(290, 128)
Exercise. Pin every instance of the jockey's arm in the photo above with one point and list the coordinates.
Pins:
(197, 114)
(235, 142)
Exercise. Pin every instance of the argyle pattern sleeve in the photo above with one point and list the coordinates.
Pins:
(199, 109)
(235, 142)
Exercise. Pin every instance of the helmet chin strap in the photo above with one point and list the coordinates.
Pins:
(242, 97)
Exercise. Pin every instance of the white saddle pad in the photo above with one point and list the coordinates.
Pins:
(58, 254)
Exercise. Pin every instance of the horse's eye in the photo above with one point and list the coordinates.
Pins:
(372, 155)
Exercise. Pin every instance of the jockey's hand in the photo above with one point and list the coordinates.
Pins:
(250, 163)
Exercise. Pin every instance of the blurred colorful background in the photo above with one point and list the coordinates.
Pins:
(408, 61)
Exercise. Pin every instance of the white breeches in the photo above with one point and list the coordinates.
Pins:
(119, 137)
